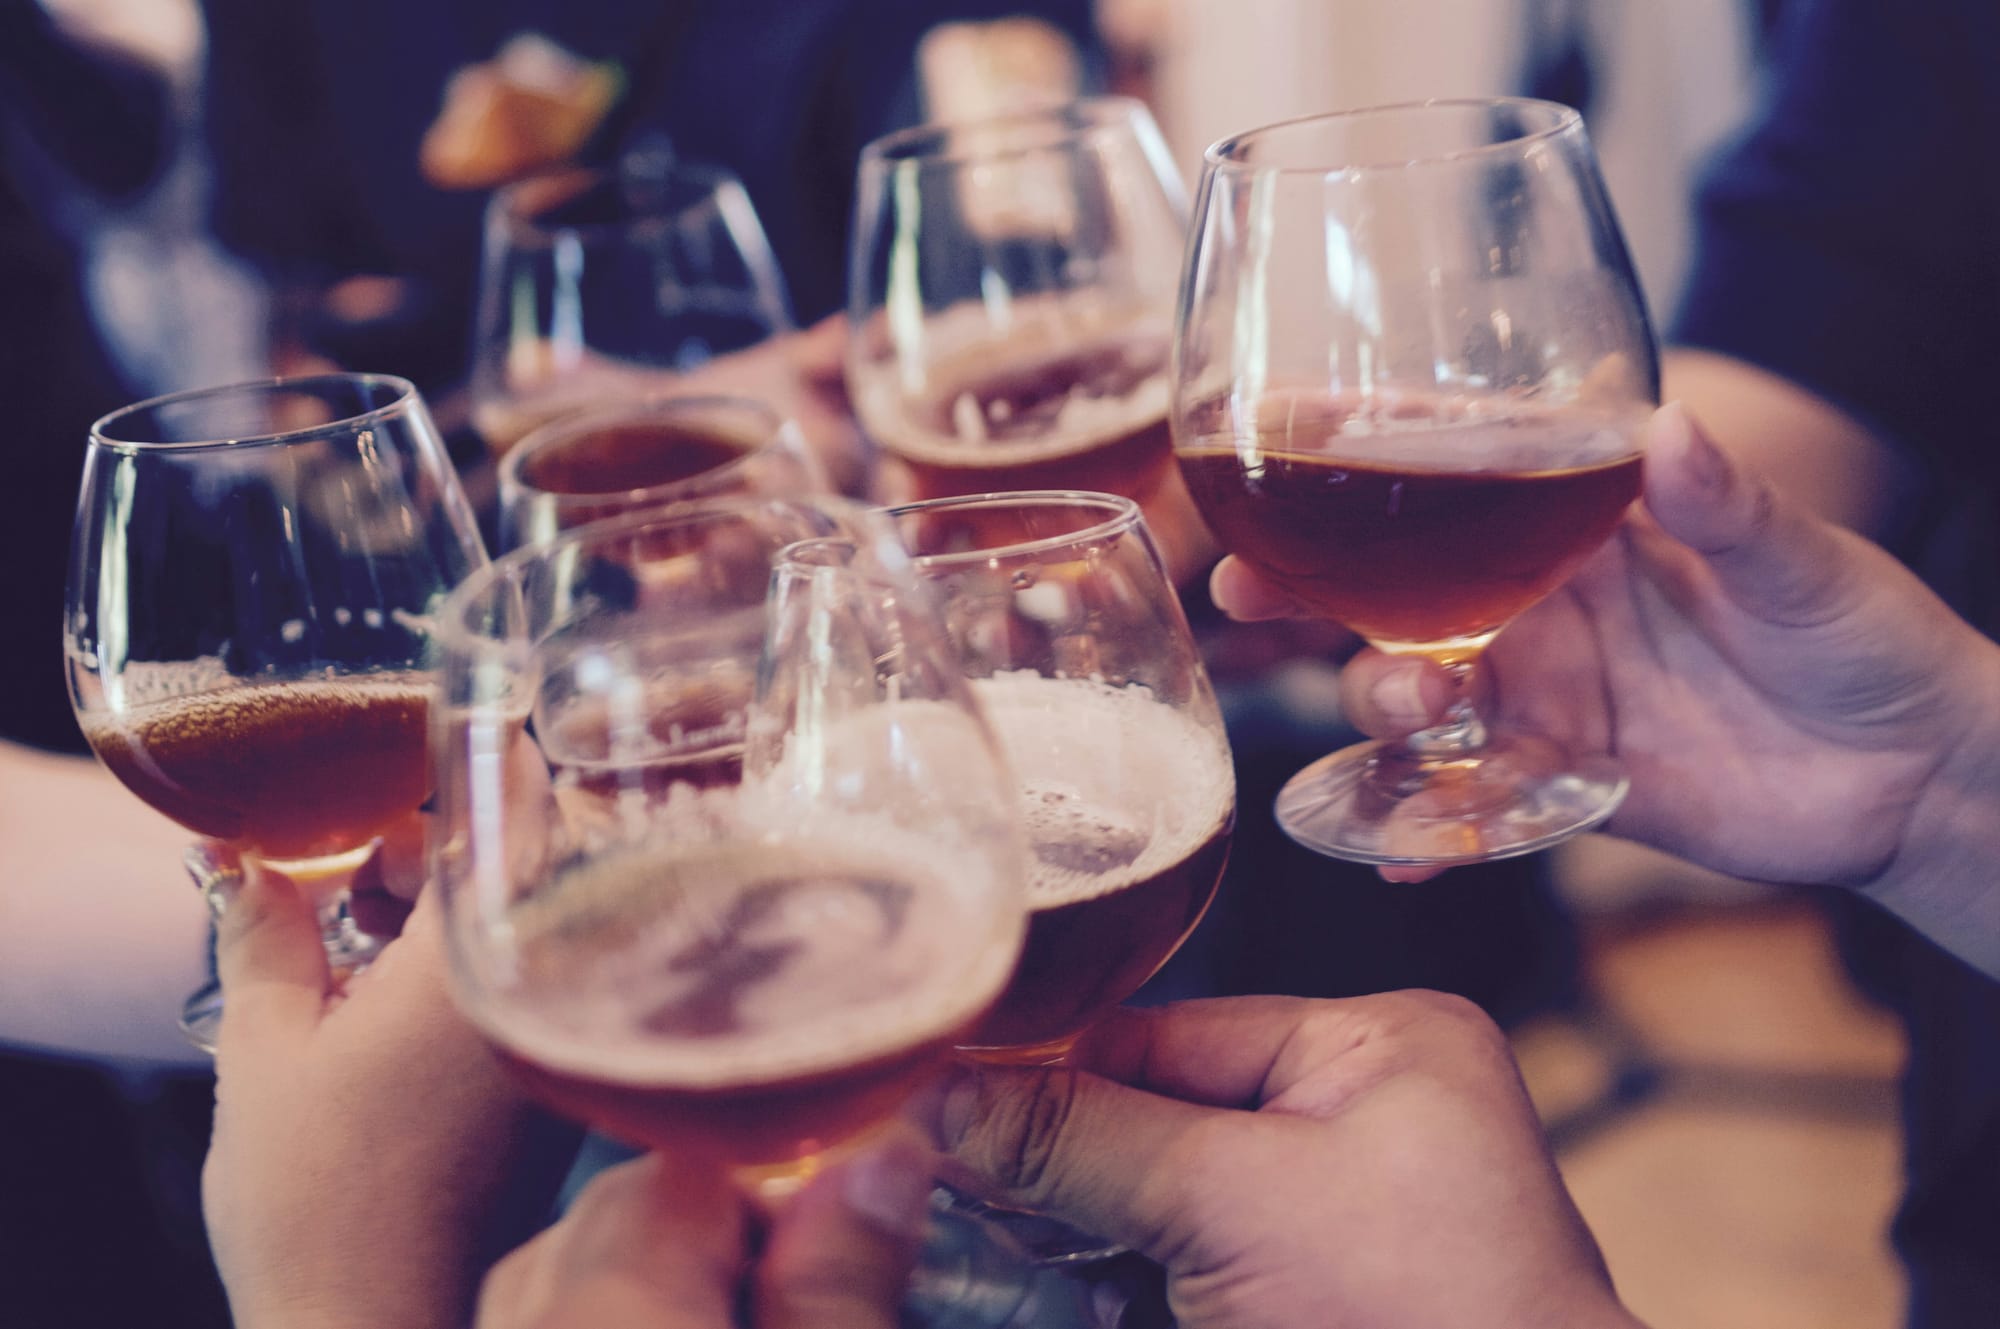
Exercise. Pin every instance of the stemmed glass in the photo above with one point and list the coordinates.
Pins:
(603, 463)
(729, 859)
(1010, 297)
(1412, 374)
(596, 283)
(1062, 617)
(249, 626)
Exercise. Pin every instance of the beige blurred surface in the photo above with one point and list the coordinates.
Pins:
(1725, 1113)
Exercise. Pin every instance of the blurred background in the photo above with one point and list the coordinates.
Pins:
(194, 193)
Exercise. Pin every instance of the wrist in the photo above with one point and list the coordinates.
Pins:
(1945, 877)
(394, 1277)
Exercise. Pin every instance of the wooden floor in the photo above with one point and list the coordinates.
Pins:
(1725, 1117)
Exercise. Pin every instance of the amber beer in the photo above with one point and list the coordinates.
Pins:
(1428, 525)
(288, 771)
(750, 1003)
(1087, 418)
(619, 458)
(1129, 805)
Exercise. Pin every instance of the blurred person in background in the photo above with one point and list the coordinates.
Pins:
(354, 170)
(97, 1215)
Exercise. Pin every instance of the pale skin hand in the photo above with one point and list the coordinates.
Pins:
(1790, 703)
(662, 1243)
(1369, 1162)
(362, 1135)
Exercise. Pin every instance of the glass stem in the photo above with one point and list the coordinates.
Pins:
(1461, 732)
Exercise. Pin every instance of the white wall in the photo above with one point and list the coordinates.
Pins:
(1672, 77)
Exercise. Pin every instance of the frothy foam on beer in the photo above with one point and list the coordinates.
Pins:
(732, 963)
(1116, 785)
(1434, 432)
(203, 698)
(1047, 392)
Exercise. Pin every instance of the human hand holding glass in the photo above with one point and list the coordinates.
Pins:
(249, 630)
(1369, 1162)
(1792, 704)
(1411, 378)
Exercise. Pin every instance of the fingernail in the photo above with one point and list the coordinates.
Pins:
(1398, 697)
(1711, 469)
(888, 1186)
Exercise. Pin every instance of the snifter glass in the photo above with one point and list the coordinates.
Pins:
(249, 633)
(1010, 298)
(1411, 380)
(729, 857)
(646, 454)
(1062, 617)
(597, 284)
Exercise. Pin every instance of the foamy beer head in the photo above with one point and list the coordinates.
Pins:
(1059, 610)
(723, 872)
(1129, 803)
(618, 459)
(1011, 298)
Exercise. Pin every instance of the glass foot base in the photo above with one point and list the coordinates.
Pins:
(1383, 804)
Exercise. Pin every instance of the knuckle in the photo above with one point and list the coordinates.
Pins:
(1023, 1120)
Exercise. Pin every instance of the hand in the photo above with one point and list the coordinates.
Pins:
(1369, 1162)
(1790, 703)
(363, 1135)
(803, 375)
(661, 1243)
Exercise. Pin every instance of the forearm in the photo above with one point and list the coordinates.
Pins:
(1810, 450)
(101, 935)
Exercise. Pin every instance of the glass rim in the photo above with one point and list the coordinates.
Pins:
(1220, 157)
(711, 182)
(1093, 116)
(568, 427)
(451, 631)
(1125, 515)
(102, 435)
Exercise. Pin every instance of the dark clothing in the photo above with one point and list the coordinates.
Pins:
(314, 120)
(1848, 244)
(72, 122)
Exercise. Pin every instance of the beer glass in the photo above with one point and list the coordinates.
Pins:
(594, 285)
(1062, 617)
(249, 630)
(1010, 297)
(603, 463)
(729, 859)
(1412, 375)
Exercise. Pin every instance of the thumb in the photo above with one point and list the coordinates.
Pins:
(1088, 1150)
(272, 965)
(840, 1253)
(1772, 558)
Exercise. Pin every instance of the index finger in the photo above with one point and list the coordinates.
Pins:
(1243, 1052)
(1234, 1052)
